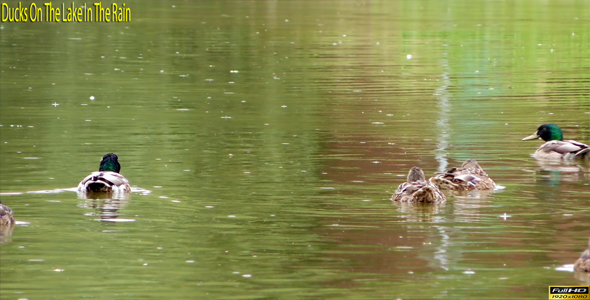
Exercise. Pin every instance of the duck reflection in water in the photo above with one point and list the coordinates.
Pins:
(554, 172)
(108, 204)
(420, 212)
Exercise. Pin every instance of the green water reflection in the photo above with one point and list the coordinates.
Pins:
(271, 135)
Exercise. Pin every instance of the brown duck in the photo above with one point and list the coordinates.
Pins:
(418, 190)
(470, 176)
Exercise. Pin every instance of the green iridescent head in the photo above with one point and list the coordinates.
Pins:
(547, 132)
(110, 162)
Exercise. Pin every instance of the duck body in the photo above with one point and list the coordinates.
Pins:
(562, 150)
(469, 177)
(555, 148)
(104, 182)
(107, 179)
(418, 190)
(6, 217)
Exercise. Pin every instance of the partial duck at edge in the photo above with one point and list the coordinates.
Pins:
(583, 263)
(6, 217)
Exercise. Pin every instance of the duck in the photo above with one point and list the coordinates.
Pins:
(107, 179)
(417, 189)
(555, 148)
(583, 263)
(6, 217)
(470, 176)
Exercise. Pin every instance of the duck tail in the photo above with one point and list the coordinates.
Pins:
(98, 184)
(98, 187)
(584, 153)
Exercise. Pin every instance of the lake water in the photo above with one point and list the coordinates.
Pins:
(268, 137)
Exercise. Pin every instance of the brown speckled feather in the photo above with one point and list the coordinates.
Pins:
(6, 217)
(469, 177)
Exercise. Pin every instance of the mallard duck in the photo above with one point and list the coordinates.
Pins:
(583, 263)
(6, 217)
(107, 179)
(467, 178)
(555, 147)
(418, 190)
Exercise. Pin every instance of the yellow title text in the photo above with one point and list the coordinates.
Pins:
(49, 12)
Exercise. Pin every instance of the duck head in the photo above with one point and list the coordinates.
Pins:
(547, 132)
(416, 174)
(110, 162)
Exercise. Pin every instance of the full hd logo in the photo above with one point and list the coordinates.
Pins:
(569, 292)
